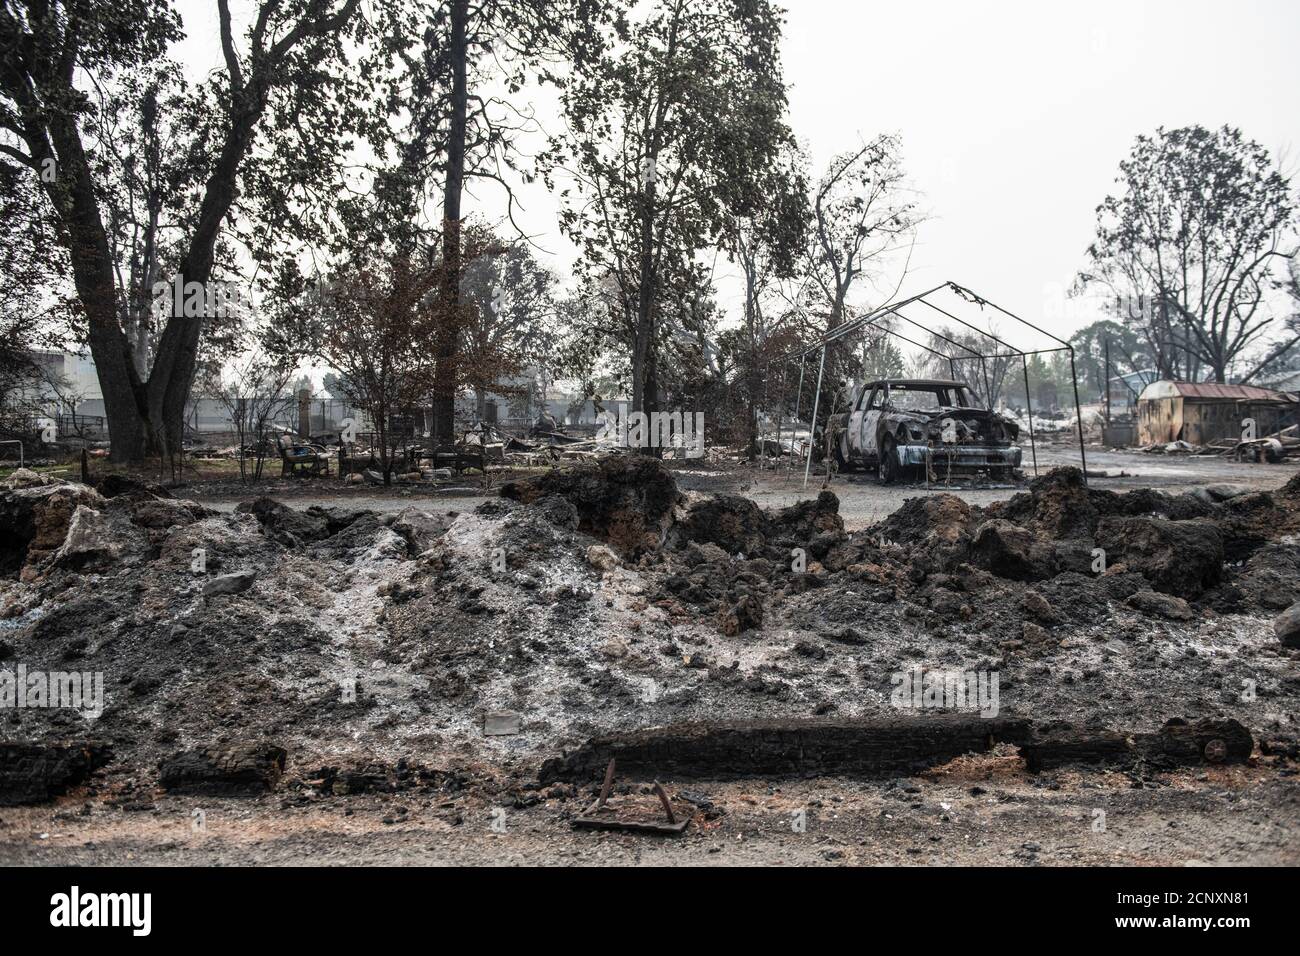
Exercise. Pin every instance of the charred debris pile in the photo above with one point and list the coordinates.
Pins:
(344, 649)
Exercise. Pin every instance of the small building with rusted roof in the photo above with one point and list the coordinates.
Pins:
(1204, 412)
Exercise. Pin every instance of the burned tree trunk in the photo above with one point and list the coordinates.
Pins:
(447, 374)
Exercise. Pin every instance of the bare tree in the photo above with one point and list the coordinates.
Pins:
(1283, 350)
(254, 389)
(1191, 239)
(972, 358)
(666, 141)
(861, 213)
(465, 124)
(765, 246)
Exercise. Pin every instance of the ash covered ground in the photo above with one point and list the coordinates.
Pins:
(331, 650)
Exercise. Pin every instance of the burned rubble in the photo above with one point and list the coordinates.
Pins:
(270, 646)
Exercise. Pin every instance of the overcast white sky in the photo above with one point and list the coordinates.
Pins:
(1014, 116)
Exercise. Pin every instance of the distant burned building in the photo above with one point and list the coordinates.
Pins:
(1203, 412)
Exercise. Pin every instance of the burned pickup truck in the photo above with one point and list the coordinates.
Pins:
(903, 426)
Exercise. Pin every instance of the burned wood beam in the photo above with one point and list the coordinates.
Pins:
(234, 770)
(35, 773)
(869, 748)
(786, 748)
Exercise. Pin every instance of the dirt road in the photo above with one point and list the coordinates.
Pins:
(976, 811)
(863, 500)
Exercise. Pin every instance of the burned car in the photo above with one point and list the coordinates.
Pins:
(899, 426)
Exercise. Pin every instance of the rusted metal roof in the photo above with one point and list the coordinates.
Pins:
(1214, 391)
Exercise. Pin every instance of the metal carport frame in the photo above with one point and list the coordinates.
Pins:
(871, 320)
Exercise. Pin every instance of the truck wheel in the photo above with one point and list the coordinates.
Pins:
(842, 461)
(888, 468)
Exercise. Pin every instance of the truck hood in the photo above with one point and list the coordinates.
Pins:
(973, 424)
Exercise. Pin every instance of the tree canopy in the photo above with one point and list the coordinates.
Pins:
(1188, 245)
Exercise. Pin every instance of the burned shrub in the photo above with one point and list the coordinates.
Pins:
(35, 773)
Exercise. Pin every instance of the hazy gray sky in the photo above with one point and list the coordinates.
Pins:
(1014, 116)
